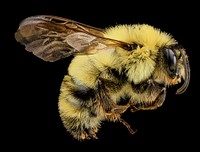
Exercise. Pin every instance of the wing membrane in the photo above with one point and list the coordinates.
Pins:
(49, 37)
(52, 38)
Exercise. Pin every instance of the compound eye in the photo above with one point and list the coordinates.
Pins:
(170, 59)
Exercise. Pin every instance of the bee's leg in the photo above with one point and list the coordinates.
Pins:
(151, 105)
(158, 101)
(115, 113)
(103, 97)
(120, 108)
(112, 110)
(161, 98)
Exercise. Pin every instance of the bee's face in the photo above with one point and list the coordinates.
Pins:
(172, 67)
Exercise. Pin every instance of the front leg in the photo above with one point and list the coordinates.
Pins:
(150, 105)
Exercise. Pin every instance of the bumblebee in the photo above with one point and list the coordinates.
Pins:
(119, 68)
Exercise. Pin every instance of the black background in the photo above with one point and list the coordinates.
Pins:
(31, 86)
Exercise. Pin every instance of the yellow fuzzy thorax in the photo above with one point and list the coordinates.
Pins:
(139, 63)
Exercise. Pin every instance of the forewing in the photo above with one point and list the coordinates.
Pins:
(52, 38)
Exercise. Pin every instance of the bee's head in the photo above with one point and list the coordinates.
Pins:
(177, 65)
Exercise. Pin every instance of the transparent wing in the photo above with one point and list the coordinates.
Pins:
(52, 38)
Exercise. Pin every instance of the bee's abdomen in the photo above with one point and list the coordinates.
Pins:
(78, 110)
(83, 93)
(76, 93)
